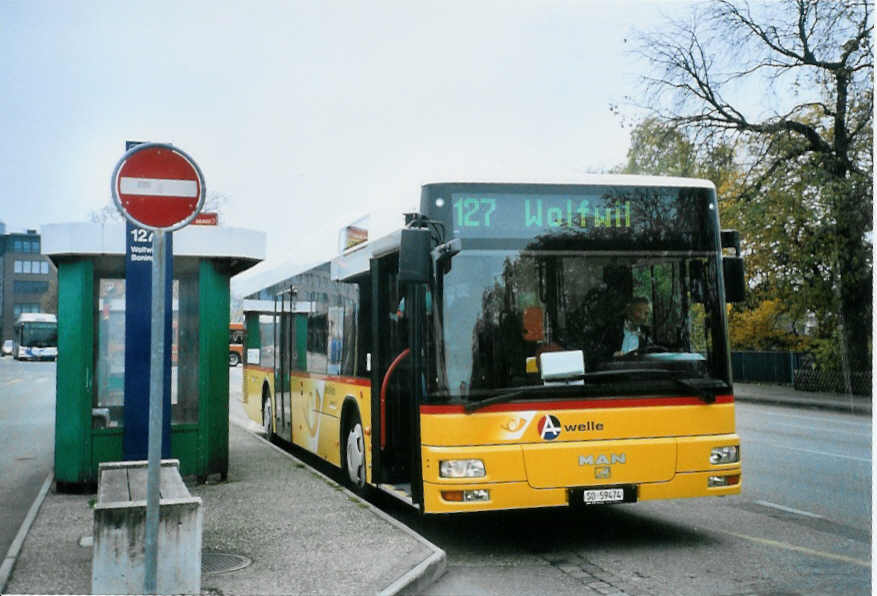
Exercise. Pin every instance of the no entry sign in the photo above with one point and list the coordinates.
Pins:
(158, 186)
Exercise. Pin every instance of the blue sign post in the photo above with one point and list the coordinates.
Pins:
(138, 343)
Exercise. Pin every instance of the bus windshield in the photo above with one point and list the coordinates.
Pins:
(39, 335)
(623, 311)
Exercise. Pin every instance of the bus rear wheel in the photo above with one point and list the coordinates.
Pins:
(353, 454)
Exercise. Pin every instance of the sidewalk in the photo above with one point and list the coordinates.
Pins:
(785, 395)
(300, 532)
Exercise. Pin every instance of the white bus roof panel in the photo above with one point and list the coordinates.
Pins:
(356, 260)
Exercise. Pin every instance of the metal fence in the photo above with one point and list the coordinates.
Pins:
(766, 367)
(796, 369)
(832, 381)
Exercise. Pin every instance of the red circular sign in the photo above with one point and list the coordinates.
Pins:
(158, 186)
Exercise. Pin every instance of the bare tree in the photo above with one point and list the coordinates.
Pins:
(792, 80)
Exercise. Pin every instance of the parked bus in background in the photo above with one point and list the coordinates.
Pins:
(35, 337)
(236, 335)
(514, 346)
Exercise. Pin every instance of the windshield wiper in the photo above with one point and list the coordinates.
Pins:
(496, 399)
(705, 388)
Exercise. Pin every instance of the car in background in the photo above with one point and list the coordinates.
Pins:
(6, 350)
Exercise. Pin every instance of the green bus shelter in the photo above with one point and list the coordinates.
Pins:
(90, 396)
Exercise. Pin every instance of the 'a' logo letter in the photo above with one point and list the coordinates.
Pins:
(549, 427)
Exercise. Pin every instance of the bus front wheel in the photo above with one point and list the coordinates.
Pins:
(353, 454)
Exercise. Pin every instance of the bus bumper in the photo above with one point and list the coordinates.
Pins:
(441, 498)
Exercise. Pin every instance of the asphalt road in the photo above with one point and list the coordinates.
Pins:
(801, 525)
(27, 439)
(813, 461)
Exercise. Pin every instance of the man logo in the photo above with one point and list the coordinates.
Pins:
(549, 427)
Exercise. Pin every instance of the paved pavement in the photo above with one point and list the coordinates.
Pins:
(301, 532)
(788, 396)
(296, 530)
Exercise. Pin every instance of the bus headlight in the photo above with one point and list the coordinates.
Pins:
(725, 455)
(461, 468)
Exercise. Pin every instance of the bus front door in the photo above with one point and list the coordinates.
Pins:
(283, 345)
(397, 441)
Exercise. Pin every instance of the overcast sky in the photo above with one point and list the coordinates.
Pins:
(307, 115)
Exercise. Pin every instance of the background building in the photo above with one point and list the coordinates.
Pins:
(28, 280)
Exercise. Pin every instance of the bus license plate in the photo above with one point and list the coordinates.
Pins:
(604, 495)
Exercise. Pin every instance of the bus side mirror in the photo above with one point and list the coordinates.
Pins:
(735, 284)
(732, 267)
(414, 255)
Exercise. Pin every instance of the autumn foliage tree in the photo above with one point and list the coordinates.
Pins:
(765, 327)
(788, 85)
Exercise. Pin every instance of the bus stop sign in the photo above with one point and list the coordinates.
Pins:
(158, 186)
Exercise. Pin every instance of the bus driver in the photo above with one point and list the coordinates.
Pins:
(636, 316)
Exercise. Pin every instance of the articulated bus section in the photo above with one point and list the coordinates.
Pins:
(312, 417)
(546, 454)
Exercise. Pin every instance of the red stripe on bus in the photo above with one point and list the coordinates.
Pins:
(578, 405)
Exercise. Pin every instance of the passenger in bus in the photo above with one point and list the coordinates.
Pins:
(399, 315)
(635, 333)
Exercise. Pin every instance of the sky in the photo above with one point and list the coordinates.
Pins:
(308, 115)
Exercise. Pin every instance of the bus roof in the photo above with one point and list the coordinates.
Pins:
(36, 317)
(355, 261)
(595, 180)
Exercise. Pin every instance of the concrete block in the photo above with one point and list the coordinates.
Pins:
(118, 559)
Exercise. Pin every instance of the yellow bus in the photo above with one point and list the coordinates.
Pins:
(514, 346)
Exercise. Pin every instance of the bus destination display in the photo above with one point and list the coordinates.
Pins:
(647, 216)
(489, 214)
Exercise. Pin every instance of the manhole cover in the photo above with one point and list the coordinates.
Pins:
(222, 562)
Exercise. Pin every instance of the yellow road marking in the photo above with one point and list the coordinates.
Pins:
(800, 549)
(13, 381)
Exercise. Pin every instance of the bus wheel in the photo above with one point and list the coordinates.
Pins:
(353, 454)
(233, 359)
(266, 415)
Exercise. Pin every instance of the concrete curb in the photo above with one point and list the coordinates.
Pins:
(15, 548)
(412, 581)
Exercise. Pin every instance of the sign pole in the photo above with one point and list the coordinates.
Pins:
(156, 398)
(158, 187)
